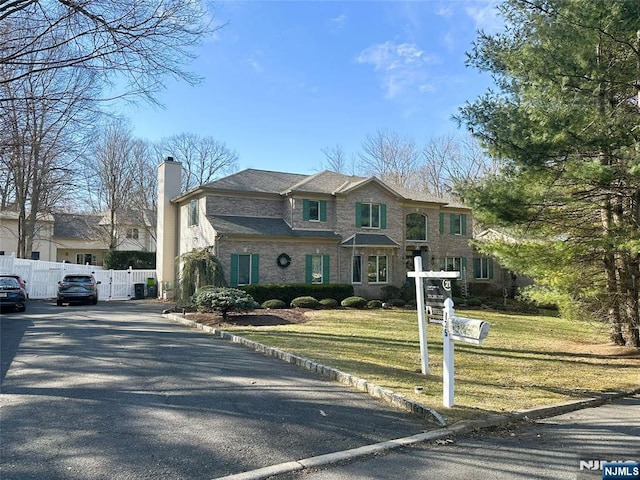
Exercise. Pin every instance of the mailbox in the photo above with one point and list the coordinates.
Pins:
(469, 330)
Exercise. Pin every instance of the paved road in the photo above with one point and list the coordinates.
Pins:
(115, 391)
(549, 449)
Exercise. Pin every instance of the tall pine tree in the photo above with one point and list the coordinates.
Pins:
(565, 123)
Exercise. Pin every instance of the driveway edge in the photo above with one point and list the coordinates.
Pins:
(395, 399)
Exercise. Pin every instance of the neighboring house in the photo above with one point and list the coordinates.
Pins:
(274, 227)
(490, 277)
(79, 238)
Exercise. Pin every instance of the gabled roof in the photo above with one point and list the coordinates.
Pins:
(75, 225)
(260, 226)
(321, 183)
(261, 181)
(369, 240)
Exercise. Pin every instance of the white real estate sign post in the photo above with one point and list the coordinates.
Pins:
(419, 275)
(453, 328)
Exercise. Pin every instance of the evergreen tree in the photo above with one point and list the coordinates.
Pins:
(565, 124)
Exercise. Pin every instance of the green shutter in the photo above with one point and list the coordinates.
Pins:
(323, 210)
(383, 215)
(476, 268)
(463, 266)
(490, 260)
(358, 214)
(233, 273)
(463, 228)
(452, 223)
(325, 269)
(441, 225)
(305, 209)
(255, 268)
(308, 265)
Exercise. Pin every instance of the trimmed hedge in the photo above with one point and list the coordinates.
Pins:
(329, 303)
(354, 302)
(305, 302)
(274, 304)
(123, 259)
(287, 292)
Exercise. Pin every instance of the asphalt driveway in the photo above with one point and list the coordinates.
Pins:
(115, 391)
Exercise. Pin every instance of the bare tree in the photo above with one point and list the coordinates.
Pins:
(43, 123)
(337, 160)
(390, 156)
(140, 40)
(203, 158)
(145, 183)
(110, 178)
(449, 161)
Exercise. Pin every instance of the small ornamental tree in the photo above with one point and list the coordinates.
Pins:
(199, 267)
(222, 300)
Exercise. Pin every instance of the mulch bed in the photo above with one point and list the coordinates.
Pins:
(255, 318)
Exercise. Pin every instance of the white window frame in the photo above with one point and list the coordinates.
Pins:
(317, 209)
(450, 264)
(356, 269)
(483, 274)
(371, 215)
(426, 228)
(242, 256)
(378, 269)
(193, 216)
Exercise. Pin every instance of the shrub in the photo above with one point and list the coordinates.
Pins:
(123, 259)
(288, 291)
(354, 302)
(222, 300)
(373, 304)
(396, 302)
(305, 302)
(274, 304)
(329, 303)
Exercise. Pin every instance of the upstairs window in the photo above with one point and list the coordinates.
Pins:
(314, 210)
(194, 213)
(132, 233)
(458, 224)
(371, 215)
(416, 224)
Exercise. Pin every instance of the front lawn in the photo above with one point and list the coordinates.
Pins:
(527, 360)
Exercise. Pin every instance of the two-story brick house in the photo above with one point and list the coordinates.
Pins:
(275, 227)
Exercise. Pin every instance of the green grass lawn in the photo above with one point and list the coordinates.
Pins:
(526, 361)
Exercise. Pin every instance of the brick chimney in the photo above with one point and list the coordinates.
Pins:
(169, 180)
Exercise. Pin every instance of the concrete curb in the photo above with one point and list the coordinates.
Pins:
(395, 399)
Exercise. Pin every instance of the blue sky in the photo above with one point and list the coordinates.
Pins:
(285, 79)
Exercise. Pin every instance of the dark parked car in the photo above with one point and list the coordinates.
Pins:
(77, 288)
(12, 294)
(21, 281)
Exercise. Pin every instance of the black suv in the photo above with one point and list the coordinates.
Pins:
(77, 287)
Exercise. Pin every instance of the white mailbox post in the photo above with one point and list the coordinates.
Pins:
(460, 329)
(454, 328)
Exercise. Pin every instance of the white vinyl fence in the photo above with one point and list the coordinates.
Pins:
(42, 277)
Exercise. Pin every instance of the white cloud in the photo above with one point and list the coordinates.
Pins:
(402, 67)
(485, 15)
(339, 22)
(254, 64)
